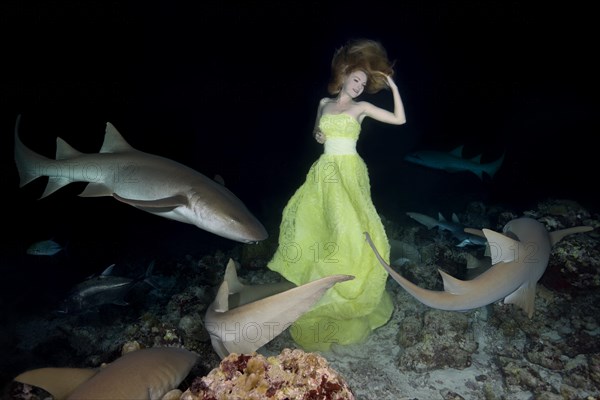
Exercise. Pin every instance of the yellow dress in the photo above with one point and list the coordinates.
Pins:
(322, 233)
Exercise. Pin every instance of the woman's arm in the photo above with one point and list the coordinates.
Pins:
(397, 117)
(317, 134)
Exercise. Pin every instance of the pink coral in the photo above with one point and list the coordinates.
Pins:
(293, 374)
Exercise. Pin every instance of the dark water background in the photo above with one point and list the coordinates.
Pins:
(232, 89)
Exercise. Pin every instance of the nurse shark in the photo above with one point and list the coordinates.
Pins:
(519, 257)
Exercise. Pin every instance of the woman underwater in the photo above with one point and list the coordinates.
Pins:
(323, 223)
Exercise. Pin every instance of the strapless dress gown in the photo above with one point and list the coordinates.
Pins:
(322, 233)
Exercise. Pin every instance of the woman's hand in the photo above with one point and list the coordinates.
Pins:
(319, 137)
(389, 80)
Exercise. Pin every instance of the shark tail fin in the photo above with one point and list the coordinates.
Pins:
(29, 163)
(494, 166)
(32, 165)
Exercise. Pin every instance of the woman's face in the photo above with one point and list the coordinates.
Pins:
(354, 84)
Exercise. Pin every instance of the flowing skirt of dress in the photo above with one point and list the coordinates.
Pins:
(322, 233)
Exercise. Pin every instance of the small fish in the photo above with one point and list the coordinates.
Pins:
(44, 248)
(102, 289)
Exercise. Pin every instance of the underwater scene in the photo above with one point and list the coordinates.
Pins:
(301, 200)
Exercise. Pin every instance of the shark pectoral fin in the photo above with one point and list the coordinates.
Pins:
(501, 247)
(167, 203)
(96, 190)
(557, 236)
(59, 382)
(451, 284)
(221, 303)
(234, 284)
(524, 298)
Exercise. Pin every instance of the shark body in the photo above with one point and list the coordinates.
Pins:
(453, 161)
(454, 227)
(243, 318)
(105, 288)
(519, 258)
(145, 374)
(148, 182)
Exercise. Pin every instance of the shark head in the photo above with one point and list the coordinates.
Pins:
(142, 374)
(231, 219)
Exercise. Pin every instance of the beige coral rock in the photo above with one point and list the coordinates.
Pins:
(293, 374)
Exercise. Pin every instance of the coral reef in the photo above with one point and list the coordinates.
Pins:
(492, 353)
(437, 340)
(293, 374)
(575, 261)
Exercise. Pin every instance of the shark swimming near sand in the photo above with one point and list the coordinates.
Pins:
(453, 161)
(105, 288)
(519, 258)
(454, 227)
(145, 374)
(148, 182)
(243, 318)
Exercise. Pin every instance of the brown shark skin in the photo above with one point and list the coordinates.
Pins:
(243, 318)
(148, 182)
(145, 374)
(517, 265)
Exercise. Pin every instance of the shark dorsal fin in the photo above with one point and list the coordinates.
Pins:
(65, 150)
(455, 218)
(476, 159)
(221, 303)
(457, 152)
(502, 248)
(219, 179)
(234, 284)
(441, 217)
(524, 298)
(557, 236)
(451, 284)
(108, 270)
(113, 141)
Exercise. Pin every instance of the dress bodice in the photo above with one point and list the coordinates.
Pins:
(339, 126)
